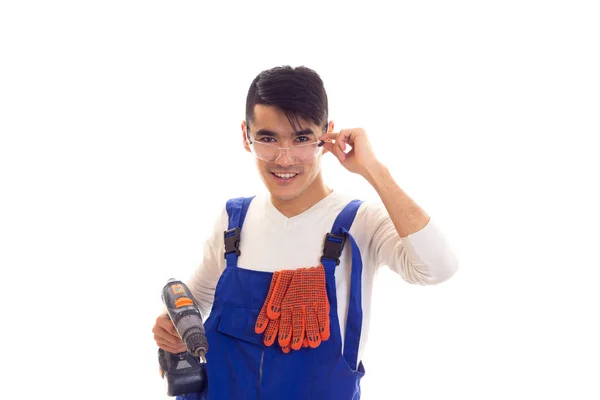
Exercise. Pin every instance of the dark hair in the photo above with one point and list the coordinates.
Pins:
(298, 92)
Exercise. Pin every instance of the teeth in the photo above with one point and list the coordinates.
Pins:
(285, 176)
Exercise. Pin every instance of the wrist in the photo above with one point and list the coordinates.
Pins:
(376, 174)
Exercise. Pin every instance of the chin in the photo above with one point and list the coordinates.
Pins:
(285, 194)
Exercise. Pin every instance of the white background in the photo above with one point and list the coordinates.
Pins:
(120, 119)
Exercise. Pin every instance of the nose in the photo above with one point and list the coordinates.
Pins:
(284, 159)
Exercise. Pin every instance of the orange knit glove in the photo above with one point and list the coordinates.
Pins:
(286, 349)
(268, 318)
(305, 310)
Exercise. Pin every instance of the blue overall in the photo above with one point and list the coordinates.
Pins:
(240, 366)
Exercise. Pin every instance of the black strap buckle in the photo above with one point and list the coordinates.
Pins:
(334, 244)
(232, 241)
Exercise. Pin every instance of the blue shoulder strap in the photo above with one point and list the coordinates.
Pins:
(236, 209)
(334, 244)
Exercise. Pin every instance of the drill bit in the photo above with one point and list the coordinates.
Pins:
(201, 355)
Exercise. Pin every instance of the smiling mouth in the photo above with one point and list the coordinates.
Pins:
(286, 175)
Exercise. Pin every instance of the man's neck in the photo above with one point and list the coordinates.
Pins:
(316, 192)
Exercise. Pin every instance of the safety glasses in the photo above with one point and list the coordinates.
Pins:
(302, 152)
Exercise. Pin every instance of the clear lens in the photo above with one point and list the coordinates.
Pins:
(304, 152)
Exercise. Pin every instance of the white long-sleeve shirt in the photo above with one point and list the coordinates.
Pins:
(270, 241)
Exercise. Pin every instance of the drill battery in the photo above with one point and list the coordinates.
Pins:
(183, 373)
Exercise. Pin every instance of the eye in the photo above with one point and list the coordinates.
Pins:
(266, 139)
(303, 139)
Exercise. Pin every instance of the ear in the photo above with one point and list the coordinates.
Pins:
(330, 127)
(245, 136)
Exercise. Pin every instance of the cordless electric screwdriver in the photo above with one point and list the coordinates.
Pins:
(184, 372)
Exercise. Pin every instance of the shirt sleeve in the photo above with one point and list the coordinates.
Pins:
(424, 257)
(204, 278)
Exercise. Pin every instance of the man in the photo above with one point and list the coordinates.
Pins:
(289, 309)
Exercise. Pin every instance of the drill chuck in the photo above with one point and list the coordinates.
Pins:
(196, 342)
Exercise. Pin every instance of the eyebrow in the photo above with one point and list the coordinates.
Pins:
(266, 132)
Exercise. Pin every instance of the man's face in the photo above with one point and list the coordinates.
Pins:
(292, 173)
